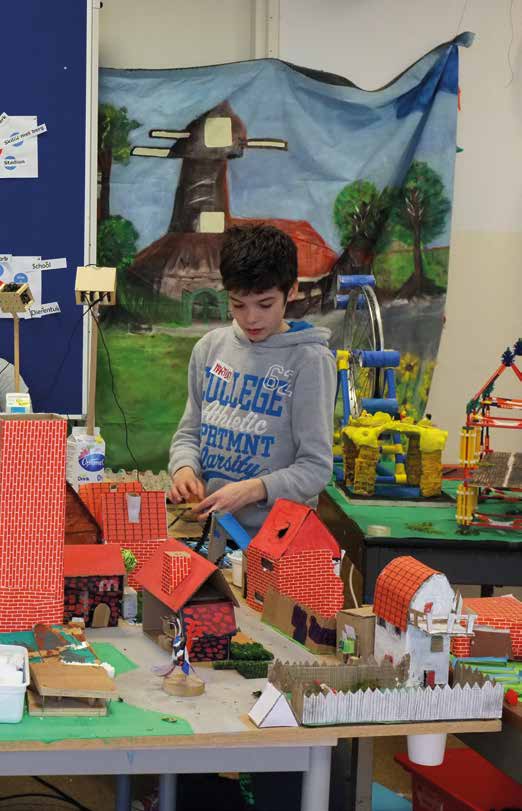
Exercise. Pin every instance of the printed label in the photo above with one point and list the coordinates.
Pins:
(36, 311)
(49, 264)
(18, 137)
(222, 371)
(92, 462)
(3, 118)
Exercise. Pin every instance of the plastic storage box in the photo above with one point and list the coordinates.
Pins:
(12, 696)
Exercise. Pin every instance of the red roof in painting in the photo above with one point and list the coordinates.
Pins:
(315, 258)
(292, 528)
(396, 587)
(88, 560)
(211, 619)
(200, 570)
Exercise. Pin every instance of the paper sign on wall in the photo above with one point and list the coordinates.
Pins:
(19, 145)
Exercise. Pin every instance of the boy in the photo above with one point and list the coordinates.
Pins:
(259, 416)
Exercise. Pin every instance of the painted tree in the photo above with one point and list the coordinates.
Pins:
(419, 216)
(360, 214)
(113, 145)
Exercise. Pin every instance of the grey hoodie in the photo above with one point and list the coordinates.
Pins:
(260, 410)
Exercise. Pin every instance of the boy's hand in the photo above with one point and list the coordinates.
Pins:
(231, 498)
(186, 486)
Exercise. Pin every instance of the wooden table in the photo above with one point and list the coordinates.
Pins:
(252, 750)
(223, 740)
(487, 559)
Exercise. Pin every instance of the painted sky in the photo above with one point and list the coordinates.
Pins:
(336, 134)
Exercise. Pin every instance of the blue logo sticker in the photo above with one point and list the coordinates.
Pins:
(2, 269)
(20, 143)
(92, 462)
(10, 163)
(20, 278)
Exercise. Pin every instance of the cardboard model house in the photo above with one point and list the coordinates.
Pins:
(294, 554)
(32, 518)
(93, 584)
(80, 525)
(178, 581)
(129, 517)
(417, 612)
(498, 628)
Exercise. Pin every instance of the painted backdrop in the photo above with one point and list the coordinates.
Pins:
(362, 181)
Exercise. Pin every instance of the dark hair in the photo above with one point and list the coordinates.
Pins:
(257, 257)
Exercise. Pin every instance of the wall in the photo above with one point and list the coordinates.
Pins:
(371, 42)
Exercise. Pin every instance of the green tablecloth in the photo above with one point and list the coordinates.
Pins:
(404, 521)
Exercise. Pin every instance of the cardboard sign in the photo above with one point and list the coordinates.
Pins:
(362, 620)
(315, 632)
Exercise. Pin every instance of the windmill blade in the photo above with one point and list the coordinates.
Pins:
(172, 134)
(266, 143)
(150, 151)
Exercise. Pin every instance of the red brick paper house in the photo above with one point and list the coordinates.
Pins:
(417, 612)
(493, 612)
(93, 584)
(294, 554)
(32, 519)
(176, 580)
(142, 532)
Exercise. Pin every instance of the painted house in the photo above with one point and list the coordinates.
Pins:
(178, 581)
(495, 613)
(93, 584)
(32, 519)
(417, 612)
(294, 554)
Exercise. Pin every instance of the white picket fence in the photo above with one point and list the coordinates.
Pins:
(404, 704)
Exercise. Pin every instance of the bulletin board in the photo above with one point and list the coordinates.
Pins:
(50, 47)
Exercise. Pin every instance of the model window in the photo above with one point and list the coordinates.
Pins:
(258, 597)
(397, 630)
(437, 644)
(381, 622)
(267, 565)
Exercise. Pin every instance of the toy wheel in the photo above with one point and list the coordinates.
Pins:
(362, 329)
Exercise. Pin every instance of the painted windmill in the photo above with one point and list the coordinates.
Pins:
(185, 261)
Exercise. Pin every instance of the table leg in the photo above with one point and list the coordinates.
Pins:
(123, 792)
(167, 792)
(364, 774)
(316, 781)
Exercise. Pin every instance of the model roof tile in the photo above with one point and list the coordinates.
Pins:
(87, 560)
(282, 532)
(149, 576)
(92, 494)
(152, 523)
(396, 587)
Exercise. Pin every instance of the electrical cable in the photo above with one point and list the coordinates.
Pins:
(350, 585)
(10, 797)
(68, 349)
(511, 44)
(100, 332)
(462, 16)
(61, 794)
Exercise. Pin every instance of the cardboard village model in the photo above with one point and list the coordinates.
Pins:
(392, 662)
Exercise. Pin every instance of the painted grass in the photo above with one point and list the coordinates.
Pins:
(150, 377)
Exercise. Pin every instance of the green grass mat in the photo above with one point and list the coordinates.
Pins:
(122, 721)
(397, 517)
(108, 653)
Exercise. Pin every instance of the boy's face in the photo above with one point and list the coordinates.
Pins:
(261, 315)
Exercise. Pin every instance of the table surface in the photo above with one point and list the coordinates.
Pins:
(400, 518)
(219, 717)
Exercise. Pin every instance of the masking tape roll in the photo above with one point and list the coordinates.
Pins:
(378, 531)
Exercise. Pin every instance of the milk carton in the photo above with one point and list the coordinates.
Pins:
(85, 457)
